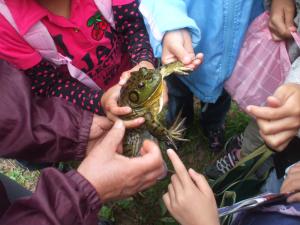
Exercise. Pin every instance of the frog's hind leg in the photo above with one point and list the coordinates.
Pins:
(175, 133)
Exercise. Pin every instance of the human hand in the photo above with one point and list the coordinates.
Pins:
(177, 45)
(281, 21)
(279, 121)
(99, 128)
(110, 98)
(292, 183)
(189, 198)
(109, 102)
(115, 176)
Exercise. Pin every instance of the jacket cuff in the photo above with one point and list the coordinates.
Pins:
(158, 24)
(84, 133)
(83, 186)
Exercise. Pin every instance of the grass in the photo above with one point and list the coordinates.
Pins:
(147, 208)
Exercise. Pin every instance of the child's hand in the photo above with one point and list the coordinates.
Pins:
(177, 45)
(292, 183)
(109, 102)
(189, 198)
(279, 121)
(282, 19)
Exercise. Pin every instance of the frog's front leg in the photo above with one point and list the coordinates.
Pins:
(132, 142)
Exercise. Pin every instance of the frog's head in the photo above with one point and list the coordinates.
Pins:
(143, 86)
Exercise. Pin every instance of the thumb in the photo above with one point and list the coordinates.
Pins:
(113, 138)
(151, 156)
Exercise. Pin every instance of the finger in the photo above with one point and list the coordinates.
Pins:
(291, 184)
(179, 167)
(171, 192)
(277, 126)
(278, 141)
(182, 54)
(201, 182)
(147, 185)
(168, 58)
(120, 149)
(267, 113)
(282, 147)
(187, 43)
(167, 200)
(295, 169)
(275, 37)
(199, 56)
(197, 61)
(289, 15)
(100, 124)
(294, 198)
(178, 187)
(277, 27)
(134, 123)
(112, 140)
(113, 107)
(154, 175)
(124, 78)
(150, 159)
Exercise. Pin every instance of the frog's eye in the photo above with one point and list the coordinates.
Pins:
(141, 85)
(133, 96)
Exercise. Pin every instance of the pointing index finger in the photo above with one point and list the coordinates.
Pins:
(179, 167)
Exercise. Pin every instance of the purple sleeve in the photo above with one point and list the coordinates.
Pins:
(129, 22)
(59, 199)
(39, 129)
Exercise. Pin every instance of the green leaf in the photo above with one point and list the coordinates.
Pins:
(91, 21)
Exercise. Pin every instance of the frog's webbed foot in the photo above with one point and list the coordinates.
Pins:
(176, 131)
(175, 67)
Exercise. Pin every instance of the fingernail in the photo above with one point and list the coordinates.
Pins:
(118, 124)
(248, 108)
(122, 81)
(141, 120)
(197, 61)
(127, 109)
(170, 151)
(192, 170)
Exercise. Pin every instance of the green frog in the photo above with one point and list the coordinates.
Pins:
(143, 92)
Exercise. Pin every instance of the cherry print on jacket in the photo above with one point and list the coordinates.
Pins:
(99, 24)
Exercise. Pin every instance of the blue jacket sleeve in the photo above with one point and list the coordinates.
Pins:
(167, 15)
